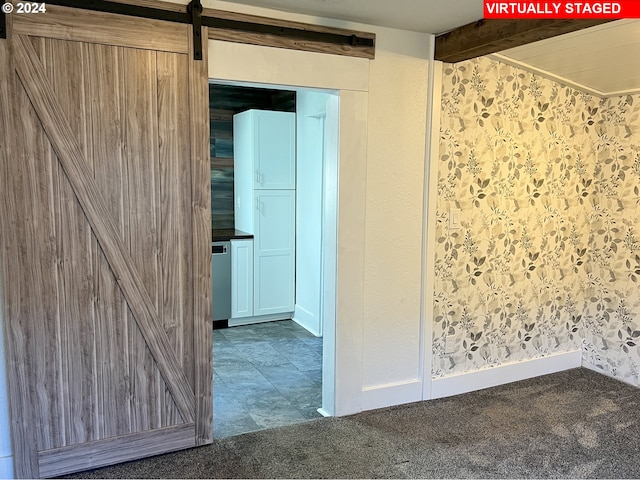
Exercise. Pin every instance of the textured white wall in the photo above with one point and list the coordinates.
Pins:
(395, 174)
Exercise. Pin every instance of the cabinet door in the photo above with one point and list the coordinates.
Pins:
(274, 150)
(274, 255)
(241, 278)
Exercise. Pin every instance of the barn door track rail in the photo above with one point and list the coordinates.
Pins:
(195, 15)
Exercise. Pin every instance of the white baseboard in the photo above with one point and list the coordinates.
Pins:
(381, 396)
(512, 372)
(6, 467)
(592, 367)
(324, 413)
(236, 322)
(306, 320)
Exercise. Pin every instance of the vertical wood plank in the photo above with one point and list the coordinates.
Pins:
(25, 308)
(104, 95)
(56, 334)
(43, 273)
(140, 113)
(201, 199)
(175, 212)
(64, 69)
(17, 327)
(46, 335)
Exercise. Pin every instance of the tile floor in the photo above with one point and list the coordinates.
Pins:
(265, 375)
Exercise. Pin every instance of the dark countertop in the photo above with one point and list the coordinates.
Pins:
(226, 234)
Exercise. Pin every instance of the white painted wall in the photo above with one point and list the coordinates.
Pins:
(6, 458)
(380, 308)
(311, 111)
(393, 245)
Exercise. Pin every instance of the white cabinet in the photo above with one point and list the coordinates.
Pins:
(264, 191)
(241, 278)
(265, 149)
(274, 252)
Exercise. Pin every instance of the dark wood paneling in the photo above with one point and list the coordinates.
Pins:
(235, 99)
(490, 36)
(225, 101)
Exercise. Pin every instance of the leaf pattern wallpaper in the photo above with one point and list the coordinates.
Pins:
(547, 256)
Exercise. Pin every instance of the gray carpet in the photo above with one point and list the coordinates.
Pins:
(574, 424)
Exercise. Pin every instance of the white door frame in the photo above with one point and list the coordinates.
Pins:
(235, 63)
(429, 222)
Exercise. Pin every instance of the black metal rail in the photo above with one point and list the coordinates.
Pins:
(193, 15)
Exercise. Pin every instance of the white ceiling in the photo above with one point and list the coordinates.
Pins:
(427, 16)
(603, 60)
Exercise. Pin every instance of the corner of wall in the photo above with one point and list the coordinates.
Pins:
(545, 258)
(6, 452)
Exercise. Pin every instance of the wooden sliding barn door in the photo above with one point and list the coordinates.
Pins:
(105, 239)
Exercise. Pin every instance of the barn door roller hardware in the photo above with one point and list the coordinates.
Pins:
(3, 23)
(193, 15)
(195, 9)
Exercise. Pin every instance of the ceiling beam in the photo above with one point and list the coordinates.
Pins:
(490, 36)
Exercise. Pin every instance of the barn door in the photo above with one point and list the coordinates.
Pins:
(105, 239)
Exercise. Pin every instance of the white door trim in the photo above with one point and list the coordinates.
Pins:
(432, 139)
(349, 76)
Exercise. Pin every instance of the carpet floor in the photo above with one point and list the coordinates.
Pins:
(573, 424)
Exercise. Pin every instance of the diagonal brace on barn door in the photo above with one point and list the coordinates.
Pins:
(71, 158)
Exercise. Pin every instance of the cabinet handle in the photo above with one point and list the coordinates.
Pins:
(258, 205)
(257, 176)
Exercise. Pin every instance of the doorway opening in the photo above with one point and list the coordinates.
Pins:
(269, 368)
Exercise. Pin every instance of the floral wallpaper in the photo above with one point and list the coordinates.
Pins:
(547, 256)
